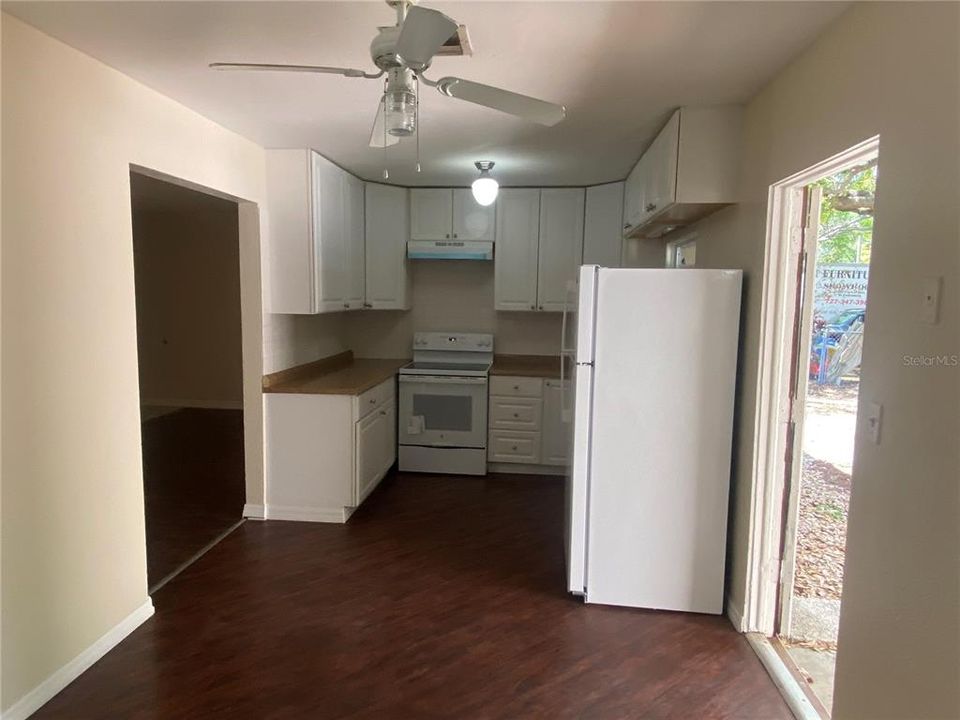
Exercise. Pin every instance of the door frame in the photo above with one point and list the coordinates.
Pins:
(777, 316)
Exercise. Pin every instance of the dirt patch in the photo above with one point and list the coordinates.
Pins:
(821, 530)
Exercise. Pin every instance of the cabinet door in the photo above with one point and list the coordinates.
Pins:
(602, 225)
(660, 184)
(431, 214)
(328, 226)
(387, 230)
(515, 258)
(555, 443)
(353, 237)
(561, 245)
(471, 220)
(376, 443)
(633, 198)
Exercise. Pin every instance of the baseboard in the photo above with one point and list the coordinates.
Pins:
(735, 615)
(521, 469)
(203, 404)
(307, 514)
(45, 691)
(254, 512)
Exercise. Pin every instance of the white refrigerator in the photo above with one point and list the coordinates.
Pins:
(655, 366)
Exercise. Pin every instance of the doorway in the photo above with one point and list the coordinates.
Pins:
(828, 330)
(810, 344)
(187, 281)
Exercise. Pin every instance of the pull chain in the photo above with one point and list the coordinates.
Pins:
(386, 173)
(416, 119)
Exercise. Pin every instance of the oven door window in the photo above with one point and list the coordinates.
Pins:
(444, 412)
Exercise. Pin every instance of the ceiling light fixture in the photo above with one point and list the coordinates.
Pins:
(485, 188)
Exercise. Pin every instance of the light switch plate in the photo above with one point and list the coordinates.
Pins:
(930, 308)
(873, 419)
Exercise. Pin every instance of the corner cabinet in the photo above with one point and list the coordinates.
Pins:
(326, 453)
(316, 241)
(388, 282)
(689, 171)
(450, 214)
(539, 247)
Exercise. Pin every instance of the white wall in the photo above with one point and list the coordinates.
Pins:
(73, 555)
(889, 69)
(187, 279)
(452, 295)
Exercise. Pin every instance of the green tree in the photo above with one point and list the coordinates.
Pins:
(846, 215)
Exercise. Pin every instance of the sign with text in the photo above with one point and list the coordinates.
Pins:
(839, 287)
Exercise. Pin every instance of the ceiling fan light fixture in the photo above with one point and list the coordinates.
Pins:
(485, 188)
(401, 111)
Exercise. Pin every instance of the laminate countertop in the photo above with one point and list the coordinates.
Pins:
(542, 366)
(340, 374)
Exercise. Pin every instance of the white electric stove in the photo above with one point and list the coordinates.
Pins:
(443, 404)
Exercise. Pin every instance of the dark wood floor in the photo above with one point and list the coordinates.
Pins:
(193, 483)
(442, 598)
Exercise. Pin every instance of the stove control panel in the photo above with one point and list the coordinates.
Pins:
(464, 342)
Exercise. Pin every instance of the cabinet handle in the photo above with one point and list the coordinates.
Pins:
(448, 236)
(455, 235)
(367, 305)
(651, 207)
(516, 415)
(373, 401)
(516, 387)
(347, 305)
(626, 226)
(533, 307)
(383, 412)
(514, 448)
(541, 307)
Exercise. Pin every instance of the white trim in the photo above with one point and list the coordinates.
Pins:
(786, 683)
(524, 469)
(766, 498)
(253, 512)
(307, 514)
(734, 615)
(46, 690)
(203, 404)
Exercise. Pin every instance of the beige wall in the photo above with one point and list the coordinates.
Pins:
(187, 279)
(73, 557)
(889, 69)
(452, 295)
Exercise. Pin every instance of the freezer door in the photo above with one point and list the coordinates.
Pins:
(662, 415)
(578, 480)
(586, 313)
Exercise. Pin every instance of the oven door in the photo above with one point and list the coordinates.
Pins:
(440, 411)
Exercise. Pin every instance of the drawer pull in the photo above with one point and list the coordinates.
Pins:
(514, 448)
(516, 387)
(373, 401)
(516, 415)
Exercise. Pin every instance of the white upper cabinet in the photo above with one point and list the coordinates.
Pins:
(388, 228)
(603, 225)
(515, 259)
(450, 214)
(689, 171)
(329, 230)
(561, 245)
(431, 214)
(353, 232)
(471, 220)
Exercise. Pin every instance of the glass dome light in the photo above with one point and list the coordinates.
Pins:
(485, 188)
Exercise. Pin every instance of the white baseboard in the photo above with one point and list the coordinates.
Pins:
(307, 514)
(735, 615)
(521, 469)
(254, 512)
(203, 404)
(36, 698)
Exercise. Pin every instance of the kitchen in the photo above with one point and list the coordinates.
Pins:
(488, 299)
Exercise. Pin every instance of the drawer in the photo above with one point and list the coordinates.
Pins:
(515, 413)
(511, 446)
(375, 397)
(508, 385)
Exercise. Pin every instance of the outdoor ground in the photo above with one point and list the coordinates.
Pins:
(831, 415)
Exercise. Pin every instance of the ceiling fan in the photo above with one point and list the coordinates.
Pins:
(403, 53)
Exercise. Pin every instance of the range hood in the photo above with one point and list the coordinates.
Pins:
(449, 250)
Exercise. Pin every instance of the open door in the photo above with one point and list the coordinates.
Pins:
(806, 203)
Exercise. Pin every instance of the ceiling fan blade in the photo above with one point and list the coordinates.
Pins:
(346, 72)
(423, 33)
(523, 106)
(378, 138)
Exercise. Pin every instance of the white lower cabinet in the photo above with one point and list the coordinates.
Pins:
(526, 422)
(326, 453)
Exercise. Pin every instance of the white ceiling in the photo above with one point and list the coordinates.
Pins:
(619, 67)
